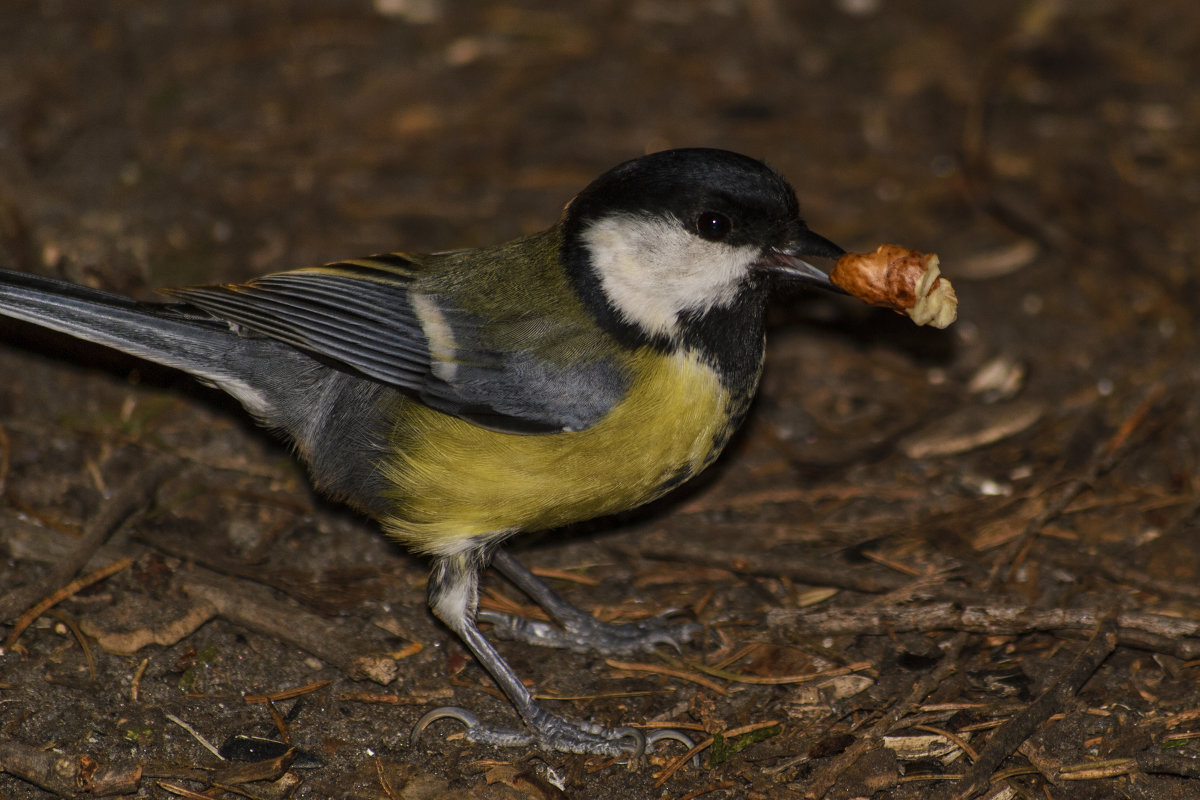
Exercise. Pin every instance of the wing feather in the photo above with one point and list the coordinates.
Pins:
(364, 315)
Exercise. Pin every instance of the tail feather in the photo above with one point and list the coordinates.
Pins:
(172, 334)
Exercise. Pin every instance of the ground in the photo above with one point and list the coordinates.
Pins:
(934, 564)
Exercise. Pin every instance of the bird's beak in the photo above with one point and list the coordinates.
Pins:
(788, 262)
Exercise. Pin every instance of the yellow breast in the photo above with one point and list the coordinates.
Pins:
(455, 481)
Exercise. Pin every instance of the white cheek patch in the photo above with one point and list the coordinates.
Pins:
(653, 269)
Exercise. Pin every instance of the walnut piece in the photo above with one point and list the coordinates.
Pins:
(903, 280)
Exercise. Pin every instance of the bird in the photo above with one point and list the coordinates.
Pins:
(462, 397)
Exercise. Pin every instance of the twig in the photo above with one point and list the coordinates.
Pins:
(62, 594)
(205, 743)
(286, 694)
(66, 775)
(230, 774)
(182, 791)
(950, 736)
(384, 783)
(682, 674)
(1008, 737)
(712, 787)
(569, 575)
(73, 627)
(257, 608)
(732, 733)
(827, 776)
(813, 733)
(1098, 770)
(422, 698)
(825, 573)
(136, 684)
(135, 495)
(328, 596)
(1155, 632)
(1169, 762)
(775, 680)
(1123, 572)
(280, 723)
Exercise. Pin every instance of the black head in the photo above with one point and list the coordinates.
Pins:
(674, 235)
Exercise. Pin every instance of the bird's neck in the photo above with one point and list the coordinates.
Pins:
(731, 339)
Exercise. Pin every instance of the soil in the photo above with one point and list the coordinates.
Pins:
(933, 564)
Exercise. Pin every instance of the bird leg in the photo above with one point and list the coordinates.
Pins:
(453, 596)
(577, 630)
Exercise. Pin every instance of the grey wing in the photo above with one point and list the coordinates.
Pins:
(367, 316)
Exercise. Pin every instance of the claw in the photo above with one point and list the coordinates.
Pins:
(640, 741)
(444, 712)
(657, 637)
(476, 730)
(679, 736)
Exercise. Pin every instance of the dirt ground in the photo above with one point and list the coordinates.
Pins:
(934, 565)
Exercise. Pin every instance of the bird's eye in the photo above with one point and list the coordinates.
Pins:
(713, 226)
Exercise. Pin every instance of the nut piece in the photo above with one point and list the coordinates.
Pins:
(900, 279)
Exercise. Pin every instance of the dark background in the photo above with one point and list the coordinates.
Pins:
(1049, 151)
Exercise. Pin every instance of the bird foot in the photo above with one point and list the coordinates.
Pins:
(550, 732)
(586, 634)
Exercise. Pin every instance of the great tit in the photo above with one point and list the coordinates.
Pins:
(465, 396)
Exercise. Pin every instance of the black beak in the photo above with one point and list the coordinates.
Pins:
(788, 262)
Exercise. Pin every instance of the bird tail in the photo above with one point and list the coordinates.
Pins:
(172, 334)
